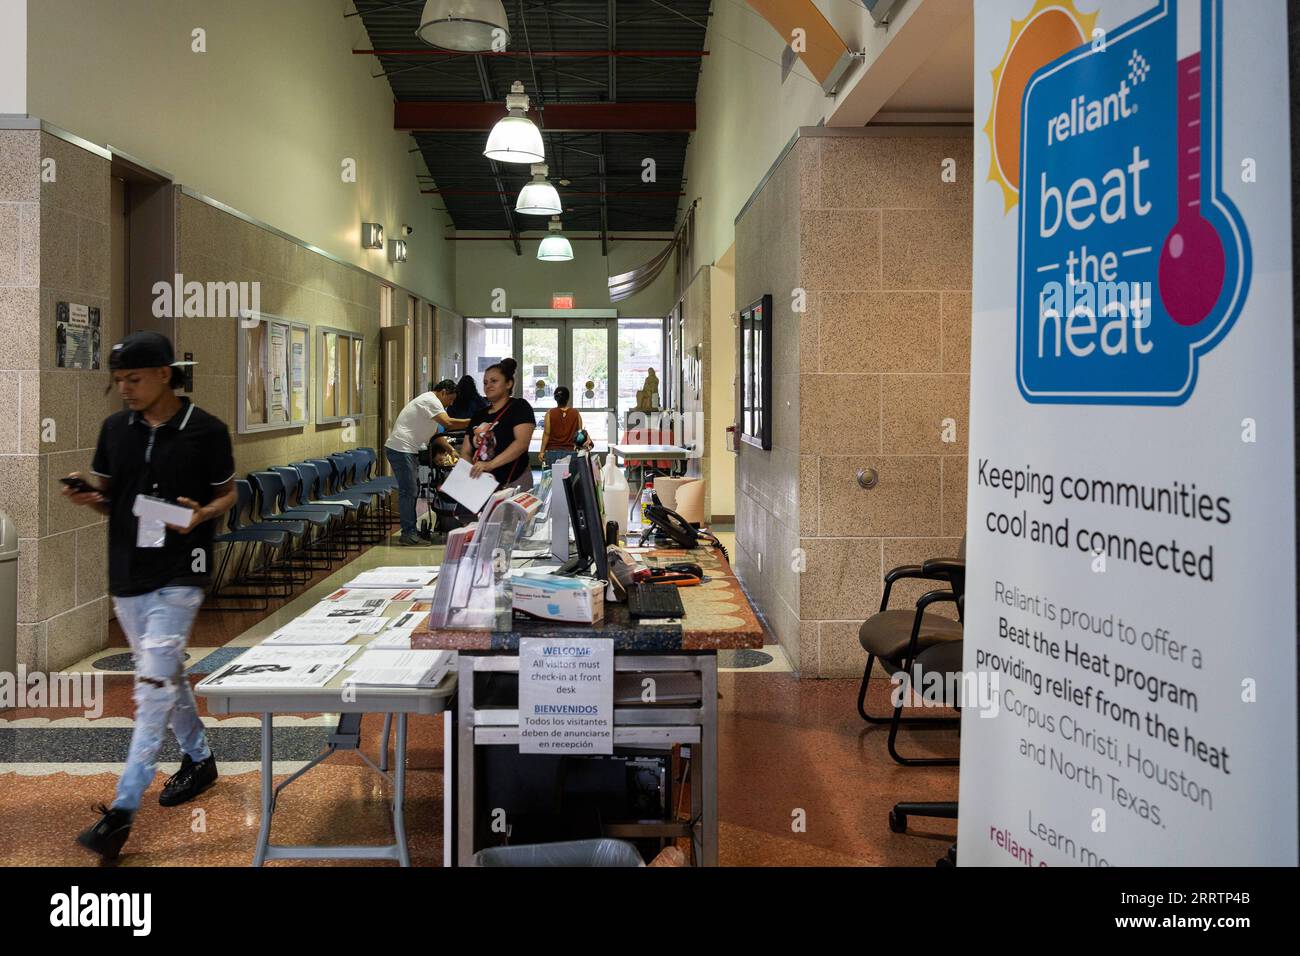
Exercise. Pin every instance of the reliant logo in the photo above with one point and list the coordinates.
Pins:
(75, 909)
(1133, 263)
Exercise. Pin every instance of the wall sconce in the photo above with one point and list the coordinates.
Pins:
(372, 235)
(396, 250)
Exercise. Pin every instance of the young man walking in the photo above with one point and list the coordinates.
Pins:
(423, 417)
(161, 446)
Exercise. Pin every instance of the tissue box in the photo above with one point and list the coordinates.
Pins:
(555, 598)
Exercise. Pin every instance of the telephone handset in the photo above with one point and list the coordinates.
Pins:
(672, 526)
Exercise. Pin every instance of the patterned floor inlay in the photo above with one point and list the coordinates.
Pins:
(743, 658)
(217, 659)
(771, 659)
(99, 744)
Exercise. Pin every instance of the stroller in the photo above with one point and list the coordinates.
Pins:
(441, 515)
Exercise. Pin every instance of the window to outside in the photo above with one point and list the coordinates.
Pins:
(640, 349)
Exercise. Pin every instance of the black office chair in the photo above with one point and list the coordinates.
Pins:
(947, 658)
(908, 642)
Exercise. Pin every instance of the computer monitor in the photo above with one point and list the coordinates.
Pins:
(584, 513)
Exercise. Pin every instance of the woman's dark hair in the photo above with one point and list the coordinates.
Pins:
(507, 367)
(562, 396)
(466, 389)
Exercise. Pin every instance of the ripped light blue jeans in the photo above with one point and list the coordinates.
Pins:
(157, 625)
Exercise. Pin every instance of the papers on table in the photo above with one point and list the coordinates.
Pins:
(270, 666)
(398, 577)
(473, 493)
(397, 636)
(328, 630)
(372, 607)
(353, 595)
(384, 668)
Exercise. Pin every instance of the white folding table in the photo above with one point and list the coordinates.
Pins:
(349, 704)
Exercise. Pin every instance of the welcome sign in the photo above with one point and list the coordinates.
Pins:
(1133, 262)
(1131, 491)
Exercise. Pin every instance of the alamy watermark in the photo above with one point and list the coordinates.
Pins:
(940, 688)
(37, 689)
(206, 300)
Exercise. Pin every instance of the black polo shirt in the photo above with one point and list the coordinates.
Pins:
(188, 456)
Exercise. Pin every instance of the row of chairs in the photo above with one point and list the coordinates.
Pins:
(290, 521)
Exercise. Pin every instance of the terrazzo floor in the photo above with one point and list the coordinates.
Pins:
(802, 781)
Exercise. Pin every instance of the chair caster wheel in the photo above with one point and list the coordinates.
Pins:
(897, 822)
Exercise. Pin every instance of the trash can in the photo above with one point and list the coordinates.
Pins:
(8, 595)
(572, 853)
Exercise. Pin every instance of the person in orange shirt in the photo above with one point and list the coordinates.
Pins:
(559, 427)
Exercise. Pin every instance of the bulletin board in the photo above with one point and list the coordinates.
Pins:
(274, 372)
(341, 384)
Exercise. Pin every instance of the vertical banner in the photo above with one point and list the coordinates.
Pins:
(1131, 512)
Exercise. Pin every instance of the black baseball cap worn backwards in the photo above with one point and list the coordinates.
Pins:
(142, 350)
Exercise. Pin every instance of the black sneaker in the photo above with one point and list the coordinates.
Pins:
(410, 540)
(188, 782)
(107, 836)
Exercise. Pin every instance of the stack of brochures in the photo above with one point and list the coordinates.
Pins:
(399, 577)
(282, 667)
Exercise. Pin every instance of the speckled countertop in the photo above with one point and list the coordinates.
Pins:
(718, 617)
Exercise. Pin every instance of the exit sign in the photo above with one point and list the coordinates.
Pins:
(561, 300)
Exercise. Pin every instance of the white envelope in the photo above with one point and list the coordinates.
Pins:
(473, 493)
(148, 508)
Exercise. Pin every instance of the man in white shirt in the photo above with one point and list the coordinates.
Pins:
(424, 417)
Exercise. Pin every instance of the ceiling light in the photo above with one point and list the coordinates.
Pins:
(515, 138)
(372, 235)
(555, 248)
(468, 26)
(539, 198)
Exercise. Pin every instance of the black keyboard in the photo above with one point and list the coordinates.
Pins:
(654, 600)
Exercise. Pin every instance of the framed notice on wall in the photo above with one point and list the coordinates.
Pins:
(1130, 623)
(274, 369)
(76, 336)
(342, 378)
(755, 368)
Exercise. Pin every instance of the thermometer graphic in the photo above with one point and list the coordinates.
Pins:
(1191, 270)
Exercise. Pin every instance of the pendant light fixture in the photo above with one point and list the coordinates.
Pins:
(467, 26)
(539, 198)
(555, 248)
(515, 138)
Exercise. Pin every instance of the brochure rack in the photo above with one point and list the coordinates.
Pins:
(472, 585)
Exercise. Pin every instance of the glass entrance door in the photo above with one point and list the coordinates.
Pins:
(576, 353)
(593, 365)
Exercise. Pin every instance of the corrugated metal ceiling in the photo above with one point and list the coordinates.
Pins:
(465, 177)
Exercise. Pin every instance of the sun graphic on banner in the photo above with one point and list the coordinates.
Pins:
(1051, 28)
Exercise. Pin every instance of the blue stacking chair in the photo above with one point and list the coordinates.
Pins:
(268, 540)
(270, 508)
(292, 502)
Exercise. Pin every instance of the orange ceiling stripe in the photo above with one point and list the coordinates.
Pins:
(824, 45)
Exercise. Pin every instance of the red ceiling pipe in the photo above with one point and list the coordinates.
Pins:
(650, 54)
(460, 116)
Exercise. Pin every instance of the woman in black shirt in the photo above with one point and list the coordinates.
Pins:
(468, 400)
(498, 436)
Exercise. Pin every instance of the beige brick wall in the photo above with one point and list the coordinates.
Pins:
(55, 246)
(882, 249)
(60, 247)
(297, 284)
